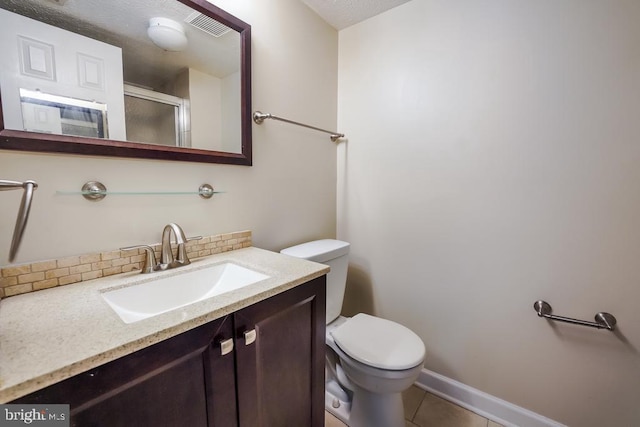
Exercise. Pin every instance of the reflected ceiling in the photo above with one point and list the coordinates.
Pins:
(129, 31)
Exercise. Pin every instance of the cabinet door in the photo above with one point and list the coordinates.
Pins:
(280, 375)
(166, 384)
(220, 378)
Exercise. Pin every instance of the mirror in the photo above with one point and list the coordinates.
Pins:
(166, 79)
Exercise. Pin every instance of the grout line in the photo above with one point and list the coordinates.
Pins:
(413, 416)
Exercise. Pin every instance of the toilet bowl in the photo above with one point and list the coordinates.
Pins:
(370, 361)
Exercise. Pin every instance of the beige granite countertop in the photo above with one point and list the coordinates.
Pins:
(53, 334)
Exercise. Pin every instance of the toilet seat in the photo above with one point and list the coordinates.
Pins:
(379, 343)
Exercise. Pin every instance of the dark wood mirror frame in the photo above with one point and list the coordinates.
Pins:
(50, 143)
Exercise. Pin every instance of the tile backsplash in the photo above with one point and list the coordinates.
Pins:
(20, 279)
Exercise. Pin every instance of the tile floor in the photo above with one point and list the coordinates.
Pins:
(423, 409)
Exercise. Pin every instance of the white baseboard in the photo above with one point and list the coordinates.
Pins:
(483, 404)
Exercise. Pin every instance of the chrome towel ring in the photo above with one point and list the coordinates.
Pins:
(29, 187)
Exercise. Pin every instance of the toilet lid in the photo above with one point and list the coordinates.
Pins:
(379, 342)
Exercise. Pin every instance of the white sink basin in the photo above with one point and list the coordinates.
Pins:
(151, 297)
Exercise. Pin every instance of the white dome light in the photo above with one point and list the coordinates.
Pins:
(167, 34)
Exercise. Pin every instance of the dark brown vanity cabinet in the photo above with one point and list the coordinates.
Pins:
(273, 376)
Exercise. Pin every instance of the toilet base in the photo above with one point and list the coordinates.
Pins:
(367, 409)
(338, 408)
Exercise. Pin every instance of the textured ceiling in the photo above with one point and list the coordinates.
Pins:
(344, 13)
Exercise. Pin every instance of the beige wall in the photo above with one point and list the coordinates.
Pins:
(204, 93)
(231, 107)
(288, 196)
(493, 160)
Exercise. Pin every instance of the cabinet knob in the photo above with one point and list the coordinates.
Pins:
(249, 337)
(226, 346)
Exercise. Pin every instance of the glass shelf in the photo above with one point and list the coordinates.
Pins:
(96, 191)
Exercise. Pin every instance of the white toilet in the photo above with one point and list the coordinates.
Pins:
(370, 360)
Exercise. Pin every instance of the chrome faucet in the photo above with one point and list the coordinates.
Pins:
(167, 259)
(166, 255)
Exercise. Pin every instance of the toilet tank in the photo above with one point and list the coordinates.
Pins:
(335, 254)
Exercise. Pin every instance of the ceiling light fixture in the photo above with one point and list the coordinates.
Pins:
(167, 34)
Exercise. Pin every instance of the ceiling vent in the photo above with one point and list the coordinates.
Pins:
(207, 24)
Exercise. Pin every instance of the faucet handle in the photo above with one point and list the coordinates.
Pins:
(181, 256)
(150, 263)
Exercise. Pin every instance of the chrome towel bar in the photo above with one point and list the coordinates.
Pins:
(603, 320)
(23, 211)
(260, 117)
